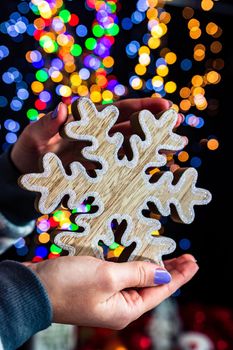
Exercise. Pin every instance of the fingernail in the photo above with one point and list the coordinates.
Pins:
(55, 112)
(170, 103)
(161, 276)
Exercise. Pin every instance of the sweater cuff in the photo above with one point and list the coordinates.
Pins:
(16, 204)
(25, 308)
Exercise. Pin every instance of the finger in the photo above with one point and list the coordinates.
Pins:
(125, 128)
(181, 274)
(49, 125)
(170, 264)
(129, 106)
(137, 274)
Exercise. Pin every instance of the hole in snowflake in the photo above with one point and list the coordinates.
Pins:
(116, 251)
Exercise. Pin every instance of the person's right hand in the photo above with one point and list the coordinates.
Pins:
(86, 291)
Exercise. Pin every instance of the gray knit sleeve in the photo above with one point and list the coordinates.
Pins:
(25, 308)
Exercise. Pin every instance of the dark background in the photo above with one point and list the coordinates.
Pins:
(211, 233)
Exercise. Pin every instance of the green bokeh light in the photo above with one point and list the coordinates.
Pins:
(76, 50)
(98, 30)
(55, 249)
(113, 30)
(32, 114)
(42, 75)
(65, 15)
(90, 43)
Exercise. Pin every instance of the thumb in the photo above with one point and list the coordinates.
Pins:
(49, 125)
(139, 274)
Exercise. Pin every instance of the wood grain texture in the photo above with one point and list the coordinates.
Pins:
(121, 188)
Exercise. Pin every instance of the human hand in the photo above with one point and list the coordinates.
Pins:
(43, 136)
(86, 291)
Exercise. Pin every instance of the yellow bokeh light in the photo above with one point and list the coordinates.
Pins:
(185, 105)
(95, 87)
(211, 28)
(199, 54)
(155, 233)
(200, 102)
(198, 90)
(183, 156)
(101, 81)
(62, 39)
(213, 144)
(82, 90)
(118, 250)
(213, 77)
(153, 43)
(144, 49)
(170, 87)
(136, 83)
(165, 17)
(157, 81)
(158, 30)
(65, 91)
(154, 171)
(170, 57)
(162, 70)
(107, 95)
(39, 23)
(175, 107)
(144, 59)
(152, 3)
(156, 95)
(95, 96)
(200, 47)
(44, 9)
(44, 237)
(197, 80)
(195, 32)
(37, 87)
(70, 67)
(193, 23)
(75, 79)
(152, 13)
(140, 69)
(108, 62)
(185, 92)
(207, 5)
(56, 76)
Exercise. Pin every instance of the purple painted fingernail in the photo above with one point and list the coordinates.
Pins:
(55, 112)
(162, 276)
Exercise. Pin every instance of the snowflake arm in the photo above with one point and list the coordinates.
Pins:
(94, 126)
(184, 195)
(158, 134)
(54, 184)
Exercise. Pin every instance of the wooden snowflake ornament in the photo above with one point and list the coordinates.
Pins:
(121, 188)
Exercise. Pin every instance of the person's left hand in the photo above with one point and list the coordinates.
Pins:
(86, 291)
(43, 136)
